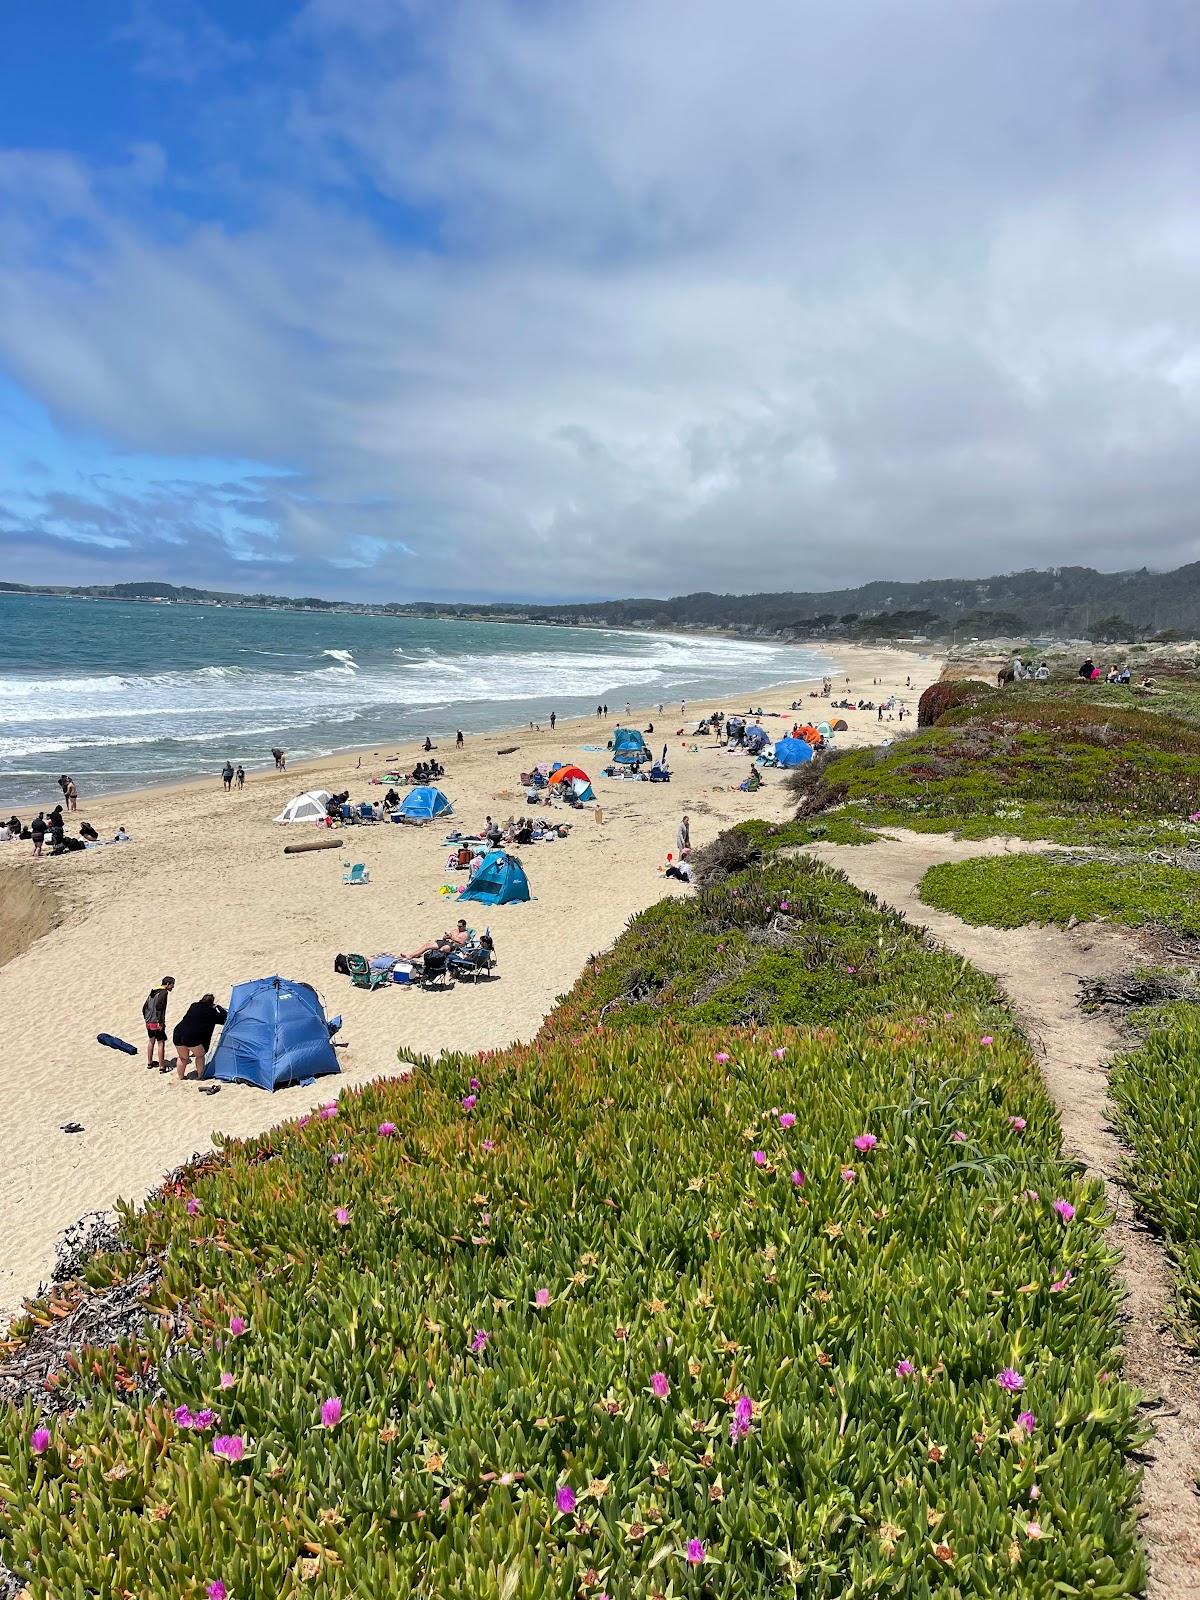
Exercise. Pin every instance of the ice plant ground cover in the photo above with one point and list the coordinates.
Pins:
(746, 1377)
(1009, 891)
(1156, 1089)
(1067, 767)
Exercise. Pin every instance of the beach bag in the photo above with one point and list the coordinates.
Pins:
(341, 966)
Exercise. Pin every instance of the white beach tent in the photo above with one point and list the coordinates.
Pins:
(309, 807)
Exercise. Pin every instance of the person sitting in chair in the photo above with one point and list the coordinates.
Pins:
(449, 941)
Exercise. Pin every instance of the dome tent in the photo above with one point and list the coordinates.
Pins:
(423, 804)
(629, 747)
(500, 881)
(578, 779)
(792, 752)
(275, 1034)
(307, 807)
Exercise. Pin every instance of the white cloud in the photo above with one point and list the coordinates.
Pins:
(622, 297)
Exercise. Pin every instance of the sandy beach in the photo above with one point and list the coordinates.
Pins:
(206, 894)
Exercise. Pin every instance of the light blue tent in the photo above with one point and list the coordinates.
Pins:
(792, 752)
(757, 738)
(500, 881)
(629, 746)
(423, 804)
(276, 1034)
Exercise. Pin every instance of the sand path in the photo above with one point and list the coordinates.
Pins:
(1039, 969)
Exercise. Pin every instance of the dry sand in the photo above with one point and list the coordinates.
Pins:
(205, 893)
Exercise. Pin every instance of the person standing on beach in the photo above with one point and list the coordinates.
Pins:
(56, 827)
(458, 740)
(227, 776)
(553, 720)
(63, 781)
(280, 759)
(37, 832)
(154, 1014)
(683, 839)
(239, 776)
(606, 708)
(72, 795)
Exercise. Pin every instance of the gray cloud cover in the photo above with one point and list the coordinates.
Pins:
(633, 297)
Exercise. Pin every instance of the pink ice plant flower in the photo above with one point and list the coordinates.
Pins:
(204, 1419)
(1027, 1420)
(1033, 1530)
(1009, 1378)
(696, 1553)
(986, 1038)
(743, 1416)
(760, 1158)
(386, 1130)
(469, 1102)
(217, 1590)
(331, 1412)
(337, 1158)
(328, 1111)
(865, 1142)
(660, 1384)
(721, 1055)
(541, 1298)
(39, 1441)
(848, 1175)
(238, 1326)
(229, 1446)
(488, 1144)
(1065, 1209)
(479, 1342)
(342, 1217)
(565, 1499)
(1018, 1123)
(475, 1086)
(904, 1368)
(958, 1137)
(797, 1179)
(787, 1119)
(182, 1416)
(227, 1381)
(1062, 1283)
(193, 1206)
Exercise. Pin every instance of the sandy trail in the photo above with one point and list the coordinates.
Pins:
(1039, 969)
(206, 894)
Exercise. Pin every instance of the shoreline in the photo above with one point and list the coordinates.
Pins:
(206, 894)
(336, 759)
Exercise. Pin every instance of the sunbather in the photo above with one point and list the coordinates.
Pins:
(449, 941)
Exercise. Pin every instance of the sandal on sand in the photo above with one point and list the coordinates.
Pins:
(211, 1088)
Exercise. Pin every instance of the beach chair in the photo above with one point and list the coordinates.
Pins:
(356, 873)
(473, 962)
(361, 975)
(434, 971)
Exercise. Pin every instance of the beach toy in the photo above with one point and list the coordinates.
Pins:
(113, 1043)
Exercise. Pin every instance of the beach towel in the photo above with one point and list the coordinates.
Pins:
(113, 1043)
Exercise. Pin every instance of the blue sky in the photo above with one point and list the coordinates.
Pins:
(392, 299)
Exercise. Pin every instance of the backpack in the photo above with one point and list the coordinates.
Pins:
(341, 965)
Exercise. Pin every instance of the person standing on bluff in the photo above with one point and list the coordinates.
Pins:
(154, 1015)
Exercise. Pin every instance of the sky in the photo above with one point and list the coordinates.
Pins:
(558, 299)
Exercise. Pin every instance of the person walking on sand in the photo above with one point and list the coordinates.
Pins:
(683, 839)
(154, 1014)
(239, 776)
(72, 795)
(193, 1034)
(227, 776)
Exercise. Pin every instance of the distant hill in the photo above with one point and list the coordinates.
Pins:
(1060, 602)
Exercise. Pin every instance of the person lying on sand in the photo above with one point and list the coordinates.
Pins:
(448, 941)
(193, 1034)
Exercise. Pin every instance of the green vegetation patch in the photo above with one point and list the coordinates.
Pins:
(785, 940)
(1156, 1089)
(1010, 891)
(697, 1315)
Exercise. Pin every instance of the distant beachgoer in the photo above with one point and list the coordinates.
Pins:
(280, 759)
(627, 708)
(227, 776)
(72, 795)
(121, 837)
(451, 940)
(660, 708)
(1042, 673)
(428, 745)
(606, 708)
(1087, 669)
(55, 827)
(63, 781)
(37, 832)
(154, 1014)
(683, 708)
(553, 720)
(239, 776)
(599, 711)
(193, 1034)
(683, 839)
(86, 831)
(458, 740)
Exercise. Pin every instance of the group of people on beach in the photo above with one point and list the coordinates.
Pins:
(192, 1036)
(52, 827)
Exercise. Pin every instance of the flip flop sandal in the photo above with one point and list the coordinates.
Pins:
(211, 1088)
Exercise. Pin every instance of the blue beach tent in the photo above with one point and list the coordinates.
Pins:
(792, 752)
(500, 881)
(629, 746)
(424, 804)
(276, 1034)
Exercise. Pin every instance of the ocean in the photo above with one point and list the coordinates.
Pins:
(123, 695)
